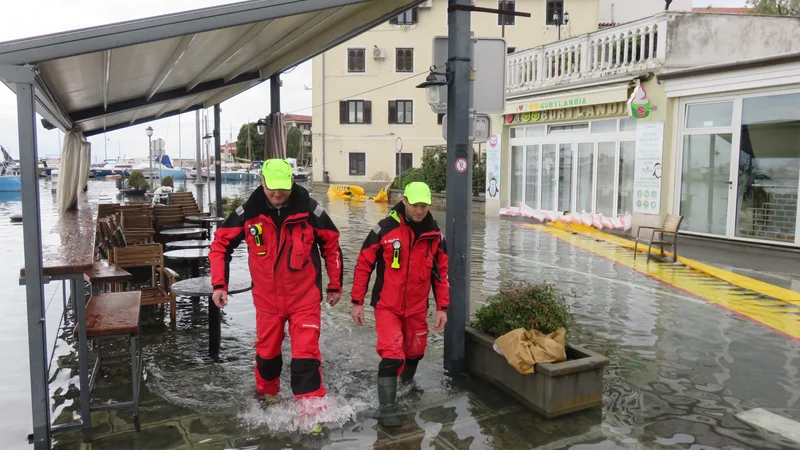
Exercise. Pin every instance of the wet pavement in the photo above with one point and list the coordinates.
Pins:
(681, 369)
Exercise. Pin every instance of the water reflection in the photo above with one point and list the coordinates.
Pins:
(680, 369)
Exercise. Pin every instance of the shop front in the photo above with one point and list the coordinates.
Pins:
(579, 158)
(738, 156)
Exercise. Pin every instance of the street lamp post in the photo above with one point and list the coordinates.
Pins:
(149, 132)
(558, 20)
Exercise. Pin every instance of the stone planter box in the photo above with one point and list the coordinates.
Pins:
(553, 390)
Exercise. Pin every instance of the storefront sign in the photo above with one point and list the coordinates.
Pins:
(639, 103)
(647, 175)
(584, 98)
(575, 113)
(493, 168)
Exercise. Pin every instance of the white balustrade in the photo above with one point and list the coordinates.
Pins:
(612, 51)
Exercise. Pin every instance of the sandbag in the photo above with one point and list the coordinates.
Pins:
(522, 348)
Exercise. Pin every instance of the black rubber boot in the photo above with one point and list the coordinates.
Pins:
(387, 397)
(409, 370)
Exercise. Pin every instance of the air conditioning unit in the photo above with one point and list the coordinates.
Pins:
(427, 4)
(378, 53)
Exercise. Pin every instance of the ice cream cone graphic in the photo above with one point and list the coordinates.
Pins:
(639, 104)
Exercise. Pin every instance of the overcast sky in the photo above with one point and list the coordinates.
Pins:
(20, 19)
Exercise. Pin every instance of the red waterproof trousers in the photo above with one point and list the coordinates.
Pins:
(400, 339)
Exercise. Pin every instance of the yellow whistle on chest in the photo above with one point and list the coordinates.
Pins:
(257, 232)
(396, 254)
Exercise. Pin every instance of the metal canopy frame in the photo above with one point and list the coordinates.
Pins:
(44, 71)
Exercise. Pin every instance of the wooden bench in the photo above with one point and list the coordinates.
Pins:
(116, 316)
(669, 228)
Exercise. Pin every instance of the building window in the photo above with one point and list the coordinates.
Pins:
(511, 50)
(355, 111)
(356, 61)
(408, 17)
(401, 112)
(440, 119)
(510, 6)
(404, 59)
(554, 7)
(358, 164)
(403, 162)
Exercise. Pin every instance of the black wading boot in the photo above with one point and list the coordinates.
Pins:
(409, 370)
(387, 397)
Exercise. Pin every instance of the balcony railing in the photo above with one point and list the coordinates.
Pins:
(619, 50)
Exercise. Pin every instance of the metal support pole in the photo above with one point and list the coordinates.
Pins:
(150, 177)
(217, 157)
(275, 93)
(198, 163)
(79, 300)
(459, 185)
(32, 234)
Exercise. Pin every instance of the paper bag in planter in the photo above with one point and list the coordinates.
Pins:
(522, 349)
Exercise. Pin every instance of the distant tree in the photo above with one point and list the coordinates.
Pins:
(775, 7)
(294, 143)
(256, 142)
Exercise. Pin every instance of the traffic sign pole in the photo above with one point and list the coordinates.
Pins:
(459, 185)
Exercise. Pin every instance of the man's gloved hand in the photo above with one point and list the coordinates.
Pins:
(220, 298)
(357, 313)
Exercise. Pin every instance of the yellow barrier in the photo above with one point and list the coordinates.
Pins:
(356, 193)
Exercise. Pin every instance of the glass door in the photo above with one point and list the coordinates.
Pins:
(585, 177)
(532, 176)
(549, 176)
(517, 174)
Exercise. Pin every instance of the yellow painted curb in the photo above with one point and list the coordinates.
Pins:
(742, 281)
(773, 313)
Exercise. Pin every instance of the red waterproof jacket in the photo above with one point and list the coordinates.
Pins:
(422, 262)
(285, 267)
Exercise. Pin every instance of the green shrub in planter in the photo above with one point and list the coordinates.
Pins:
(530, 306)
(167, 181)
(137, 181)
(229, 204)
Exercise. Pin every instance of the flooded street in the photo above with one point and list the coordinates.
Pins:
(680, 372)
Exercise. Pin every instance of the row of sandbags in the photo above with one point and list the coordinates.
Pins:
(598, 221)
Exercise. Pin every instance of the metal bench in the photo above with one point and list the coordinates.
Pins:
(114, 316)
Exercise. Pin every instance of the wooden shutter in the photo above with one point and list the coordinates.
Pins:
(414, 15)
(342, 112)
(361, 63)
(393, 20)
(367, 112)
(392, 111)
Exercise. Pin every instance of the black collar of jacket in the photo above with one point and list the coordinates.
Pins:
(427, 225)
(258, 203)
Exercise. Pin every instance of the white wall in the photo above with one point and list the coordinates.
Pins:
(621, 11)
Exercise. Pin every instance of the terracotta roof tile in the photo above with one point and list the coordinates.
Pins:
(714, 10)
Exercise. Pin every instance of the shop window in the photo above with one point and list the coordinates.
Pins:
(536, 131)
(565, 164)
(704, 182)
(606, 162)
(604, 126)
(358, 164)
(769, 163)
(549, 177)
(356, 60)
(709, 115)
(627, 124)
(517, 173)
(585, 176)
(532, 176)
(574, 128)
(509, 6)
(627, 161)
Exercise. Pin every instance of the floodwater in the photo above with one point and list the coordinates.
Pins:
(680, 371)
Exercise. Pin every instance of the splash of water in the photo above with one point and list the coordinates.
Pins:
(290, 416)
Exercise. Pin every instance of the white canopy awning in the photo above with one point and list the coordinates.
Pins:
(114, 76)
